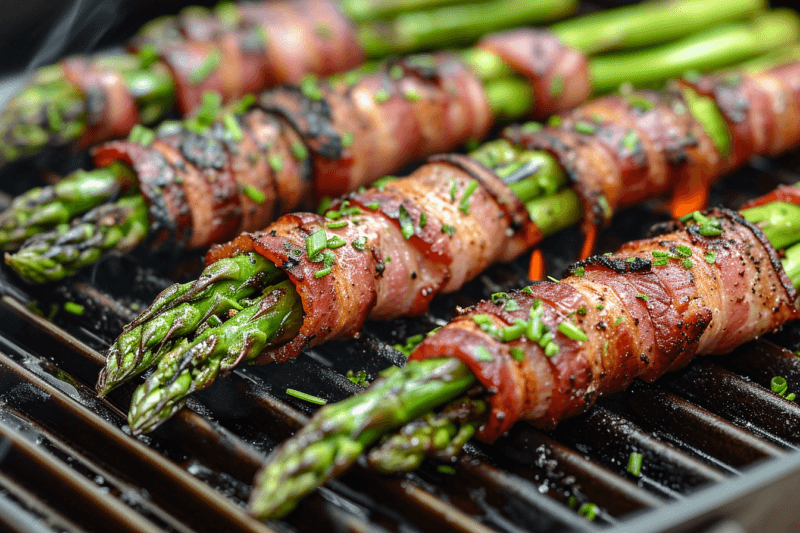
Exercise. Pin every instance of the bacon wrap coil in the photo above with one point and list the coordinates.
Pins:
(393, 275)
(200, 187)
(559, 75)
(111, 110)
(648, 144)
(431, 108)
(258, 45)
(640, 319)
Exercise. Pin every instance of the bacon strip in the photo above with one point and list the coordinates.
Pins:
(559, 75)
(639, 318)
(256, 45)
(622, 149)
(401, 244)
(207, 188)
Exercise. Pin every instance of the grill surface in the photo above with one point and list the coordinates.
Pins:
(720, 449)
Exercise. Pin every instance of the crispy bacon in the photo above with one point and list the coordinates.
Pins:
(392, 249)
(257, 45)
(622, 149)
(640, 319)
(559, 75)
(298, 144)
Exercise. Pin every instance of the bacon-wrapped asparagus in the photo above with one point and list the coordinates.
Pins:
(386, 252)
(702, 286)
(355, 129)
(238, 50)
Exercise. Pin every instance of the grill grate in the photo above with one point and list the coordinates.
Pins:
(716, 442)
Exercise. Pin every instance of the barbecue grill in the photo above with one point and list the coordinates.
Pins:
(719, 449)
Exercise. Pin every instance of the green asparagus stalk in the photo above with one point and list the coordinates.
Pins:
(61, 252)
(433, 435)
(193, 365)
(315, 454)
(225, 286)
(44, 208)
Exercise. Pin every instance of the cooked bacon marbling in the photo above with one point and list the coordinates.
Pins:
(264, 44)
(639, 319)
(398, 246)
(295, 145)
(622, 149)
(560, 75)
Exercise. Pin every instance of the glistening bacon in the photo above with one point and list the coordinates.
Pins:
(326, 139)
(256, 45)
(623, 149)
(641, 312)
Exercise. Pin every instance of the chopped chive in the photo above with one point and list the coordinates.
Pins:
(396, 72)
(347, 139)
(254, 194)
(410, 345)
(316, 242)
(578, 271)
(554, 280)
(333, 215)
(687, 264)
(683, 251)
(557, 86)
(527, 290)
(554, 121)
(551, 349)
(307, 397)
(711, 257)
(660, 253)
(374, 206)
(572, 331)
(514, 332)
(710, 231)
(630, 259)
(381, 96)
(406, 224)
(605, 349)
(618, 321)
(74, 308)
(338, 224)
(512, 305)
(588, 511)
(322, 273)
(412, 96)
(581, 311)
(517, 354)
(381, 183)
(463, 205)
(661, 261)
(585, 127)
(446, 469)
(778, 385)
(450, 230)
(599, 307)
(299, 151)
(205, 69)
(643, 297)
(482, 354)
(531, 127)
(309, 88)
(635, 464)
(453, 191)
(423, 219)
(640, 102)
(360, 243)
(232, 125)
(630, 141)
(499, 297)
(275, 162)
(141, 135)
(334, 242)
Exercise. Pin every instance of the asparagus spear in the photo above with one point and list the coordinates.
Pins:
(511, 98)
(127, 357)
(52, 112)
(314, 454)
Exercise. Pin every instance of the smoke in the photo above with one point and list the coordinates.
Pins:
(82, 15)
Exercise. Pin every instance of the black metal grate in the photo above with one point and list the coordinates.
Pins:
(716, 442)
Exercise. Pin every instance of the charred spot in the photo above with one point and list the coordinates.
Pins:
(620, 266)
(413, 275)
(643, 357)
(203, 150)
